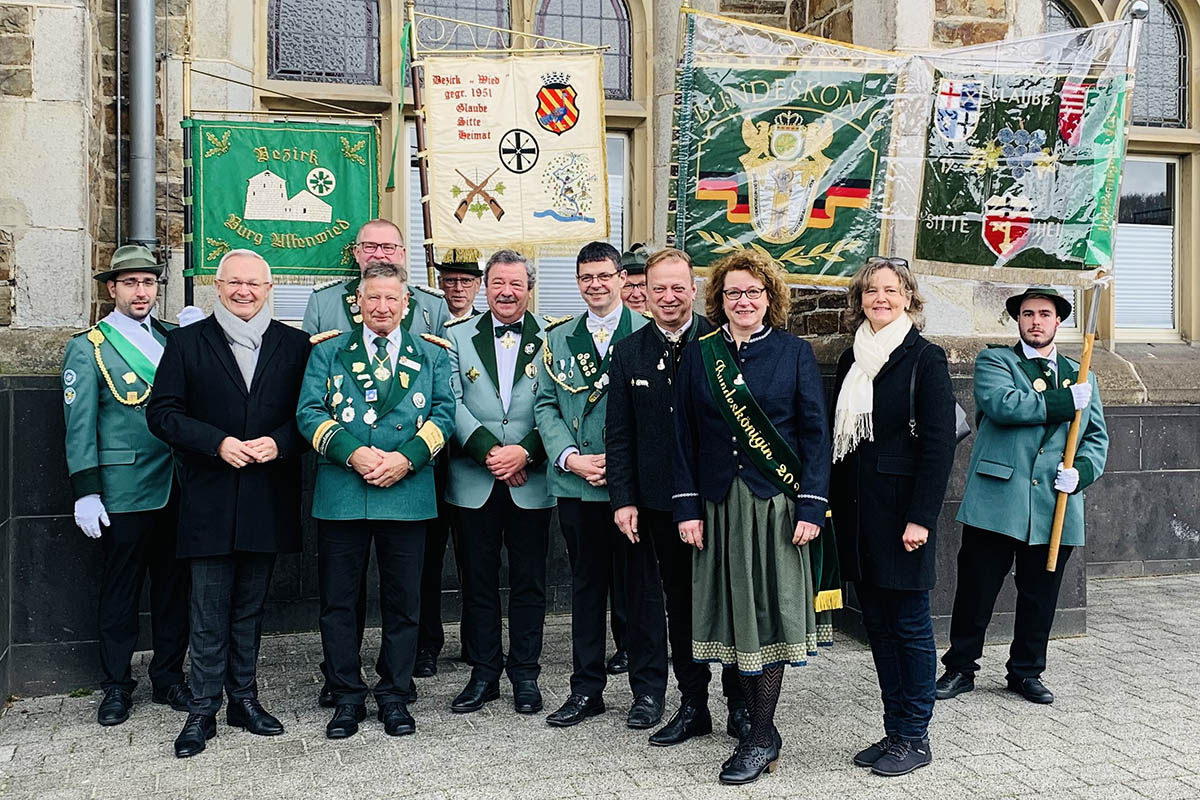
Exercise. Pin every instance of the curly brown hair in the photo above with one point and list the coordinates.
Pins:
(779, 298)
(854, 315)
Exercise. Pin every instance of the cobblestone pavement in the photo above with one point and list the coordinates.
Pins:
(1125, 724)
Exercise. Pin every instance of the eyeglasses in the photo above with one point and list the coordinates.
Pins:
(387, 248)
(733, 295)
(238, 285)
(458, 281)
(139, 283)
(602, 277)
(633, 287)
(893, 261)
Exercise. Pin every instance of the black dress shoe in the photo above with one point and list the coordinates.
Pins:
(426, 664)
(646, 712)
(345, 721)
(396, 719)
(619, 663)
(748, 764)
(952, 684)
(527, 698)
(114, 708)
(1032, 689)
(577, 708)
(738, 723)
(177, 696)
(198, 729)
(476, 693)
(325, 698)
(250, 714)
(692, 719)
(775, 737)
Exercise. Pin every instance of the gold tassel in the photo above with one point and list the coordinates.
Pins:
(828, 600)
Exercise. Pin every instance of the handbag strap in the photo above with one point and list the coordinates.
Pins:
(912, 393)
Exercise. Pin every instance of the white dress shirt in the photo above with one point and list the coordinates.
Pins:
(393, 346)
(141, 338)
(609, 323)
(506, 361)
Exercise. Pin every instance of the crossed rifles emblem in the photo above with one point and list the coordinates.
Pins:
(478, 190)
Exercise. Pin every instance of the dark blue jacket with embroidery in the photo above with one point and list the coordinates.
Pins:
(782, 374)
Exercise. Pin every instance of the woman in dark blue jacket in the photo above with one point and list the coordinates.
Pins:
(751, 478)
(887, 488)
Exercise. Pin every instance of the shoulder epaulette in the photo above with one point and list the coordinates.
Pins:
(77, 334)
(458, 321)
(439, 341)
(554, 322)
(430, 290)
(324, 336)
(328, 284)
(710, 333)
(647, 314)
(999, 346)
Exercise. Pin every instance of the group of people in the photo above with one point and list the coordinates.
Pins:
(700, 477)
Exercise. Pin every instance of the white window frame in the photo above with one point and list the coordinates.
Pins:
(1173, 334)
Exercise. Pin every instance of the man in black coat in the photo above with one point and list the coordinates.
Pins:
(225, 400)
(639, 445)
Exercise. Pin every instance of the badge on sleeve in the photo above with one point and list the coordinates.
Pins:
(69, 377)
(419, 400)
(68, 395)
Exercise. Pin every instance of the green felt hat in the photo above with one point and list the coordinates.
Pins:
(1013, 304)
(459, 259)
(130, 258)
(633, 260)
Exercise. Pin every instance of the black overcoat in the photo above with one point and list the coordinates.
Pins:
(200, 398)
(884, 484)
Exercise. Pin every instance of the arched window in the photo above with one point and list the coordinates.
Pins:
(327, 41)
(492, 13)
(1061, 17)
(595, 22)
(1160, 82)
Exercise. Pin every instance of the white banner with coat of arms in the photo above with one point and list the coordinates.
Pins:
(515, 149)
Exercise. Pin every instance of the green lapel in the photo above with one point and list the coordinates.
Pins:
(1066, 372)
(530, 344)
(485, 347)
(1031, 370)
(399, 390)
(624, 328)
(350, 303)
(136, 359)
(356, 358)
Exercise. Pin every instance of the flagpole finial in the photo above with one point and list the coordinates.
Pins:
(1140, 9)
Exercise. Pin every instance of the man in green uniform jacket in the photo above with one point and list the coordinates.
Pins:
(570, 409)
(123, 480)
(334, 305)
(376, 405)
(1025, 399)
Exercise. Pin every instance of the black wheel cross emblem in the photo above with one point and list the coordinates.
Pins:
(518, 151)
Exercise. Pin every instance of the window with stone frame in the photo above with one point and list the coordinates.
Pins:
(1161, 77)
(599, 22)
(323, 41)
(489, 13)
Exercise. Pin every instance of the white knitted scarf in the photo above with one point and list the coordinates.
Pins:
(852, 421)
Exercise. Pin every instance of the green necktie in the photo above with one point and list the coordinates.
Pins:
(1044, 366)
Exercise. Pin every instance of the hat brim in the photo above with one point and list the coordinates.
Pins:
(1013, 304)
(110, 274)
(466, 269)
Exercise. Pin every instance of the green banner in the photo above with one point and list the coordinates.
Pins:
(294, 192)
(1022, 170)
(787, 159)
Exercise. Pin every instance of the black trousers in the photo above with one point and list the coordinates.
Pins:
(984, 560)
(618, 621)
(344, 548)
(661, 563)
(525, 533)
(438, 532)
(228, 595)
(591, 539)
(136, 545)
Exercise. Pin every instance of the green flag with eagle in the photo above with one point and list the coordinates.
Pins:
(294, 192)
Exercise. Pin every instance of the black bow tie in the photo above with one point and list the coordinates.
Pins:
(503, 329)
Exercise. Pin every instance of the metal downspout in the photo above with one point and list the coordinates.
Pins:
(142, 96)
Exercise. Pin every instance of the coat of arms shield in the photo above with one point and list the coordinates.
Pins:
(956, 114)
(1006, 224)
(556, 109)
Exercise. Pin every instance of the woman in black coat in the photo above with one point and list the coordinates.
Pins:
(886, 492)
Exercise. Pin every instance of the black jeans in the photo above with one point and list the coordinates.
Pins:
(525, 532)
(344, 547)
(900, 629)
(228, 595)
(984, 560)
(136, 545)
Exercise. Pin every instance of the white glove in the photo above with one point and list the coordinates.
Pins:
(90, 514)
(1066, 480)
(1081, 394)
(190, 314)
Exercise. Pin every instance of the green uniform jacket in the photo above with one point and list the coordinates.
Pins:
(335, 415)
(572, 398)
(110, 451)
(1021, 425)
(333, 306)
(481, 421)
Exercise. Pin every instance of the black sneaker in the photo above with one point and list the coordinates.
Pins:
(902, 757)
(869, 755)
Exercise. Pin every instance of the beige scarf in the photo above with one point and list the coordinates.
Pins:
(852, 421)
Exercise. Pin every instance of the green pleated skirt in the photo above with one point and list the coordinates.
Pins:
(752, 589)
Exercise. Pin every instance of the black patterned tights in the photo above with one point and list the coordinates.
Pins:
(762, 695)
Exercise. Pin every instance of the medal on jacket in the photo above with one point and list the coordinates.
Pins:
(369, 416)
(382, 373)
(529, 348)
(1039, 385)
(419, 400)
(530, 370)
(372, 395)
(472, 374)
(348, 414)
(661, 365)
(404, 379)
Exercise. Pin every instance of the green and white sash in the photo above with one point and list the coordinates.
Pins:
(142, 366)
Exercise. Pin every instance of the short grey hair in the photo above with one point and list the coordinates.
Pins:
(510, 257)
(242, 252)
(383, 269)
